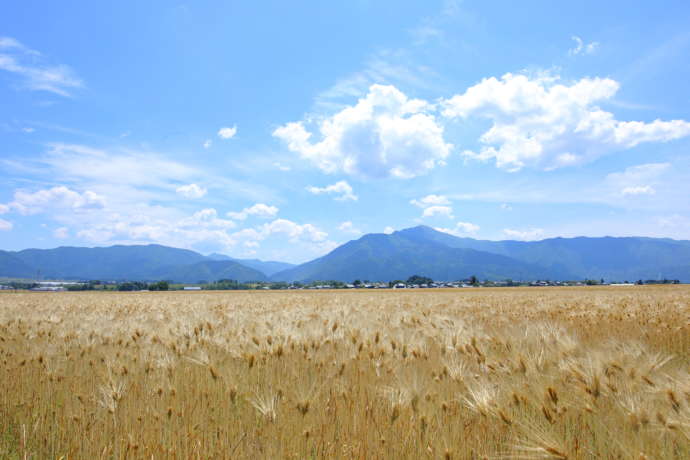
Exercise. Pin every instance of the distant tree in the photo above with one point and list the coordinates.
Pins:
(417, 279)
(159, 286)
(132, 286)
(357, 282)
(473, 280)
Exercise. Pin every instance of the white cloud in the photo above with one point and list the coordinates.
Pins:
(5, 225)
(28, 130)
(281, 166)
(4, 209)
(59, 197)
(384, 135)
(341, 188)
(431, 200)
(460, 229)
(259, 210)
(61, 233)
(434, 205)
(227, 133)
(294, 231)
(145, 224)
(506, 207)
(581, 47)
(674, 221)
(640, 190)
(207, 218)
(124, 167)
(349, 227)
(467, 227)
(540, 122)
(307, 237)
(191, 191)
(208, 143)
(432, 211)
(388, 230)
(524, 235)
(31, 66)
(636, 180)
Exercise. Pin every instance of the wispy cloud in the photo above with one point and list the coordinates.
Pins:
(581, 47)
(36, 74)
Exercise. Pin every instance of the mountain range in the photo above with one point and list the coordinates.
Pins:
(377, 257)
(136, 262)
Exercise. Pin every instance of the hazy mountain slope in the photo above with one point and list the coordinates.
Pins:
(612, 258)
(418, 250)
(211, 270)
(109, 263)
(380, 257)
(267, 267)
(13, 267)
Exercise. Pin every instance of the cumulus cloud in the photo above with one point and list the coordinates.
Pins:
(35, 73)
(541, 122)
(340, 188)
(207, 218)
(191, 191)
(349, 227)
(432, 211)
(308, 234)
(152, 224)
(581, 47)
(384, 135)
(59, 197)
(293, 231)
(524, 235)
(388, 230)
(4, 208)
(227, 133)
(460, 229)
(258, 210)
(5, 225)
(637, 180)
(431, 200)
(434, 205)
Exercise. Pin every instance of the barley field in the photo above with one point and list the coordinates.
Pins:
(533, 373)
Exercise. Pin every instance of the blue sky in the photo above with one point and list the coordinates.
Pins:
(279, 130)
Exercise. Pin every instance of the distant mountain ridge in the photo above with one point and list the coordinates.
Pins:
(267, 267)
(380, 257)
(611, 258)
(418, 250)
(120, 262)
(425, 251)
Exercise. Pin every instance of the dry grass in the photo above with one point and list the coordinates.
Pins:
(561, 373)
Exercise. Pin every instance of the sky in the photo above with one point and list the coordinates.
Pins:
(280, 130)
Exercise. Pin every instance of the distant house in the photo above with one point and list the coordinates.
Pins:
(48, 289)
(191, 288)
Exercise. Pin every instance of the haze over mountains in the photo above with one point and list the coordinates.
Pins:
(377, 257)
